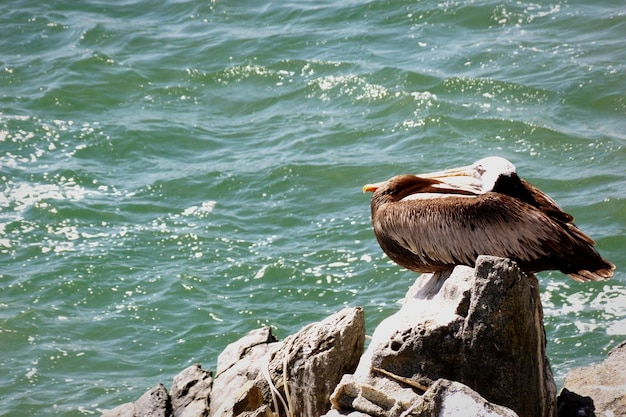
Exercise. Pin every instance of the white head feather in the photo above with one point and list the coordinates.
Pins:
(489, 169)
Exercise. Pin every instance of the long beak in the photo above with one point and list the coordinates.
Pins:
(460, 177)
(452, 172)
(457, 178)
(371, 187)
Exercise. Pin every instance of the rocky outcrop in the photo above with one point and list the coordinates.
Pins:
(257, 375)
(604, 383)
(190, 392)
(298, 374)
(239, 364)
(469, 342)
(444, 398)
(482, 328)
(154, 403)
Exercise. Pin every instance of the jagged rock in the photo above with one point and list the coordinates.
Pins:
(605, 383)
(309, 365)
(570, 404)
(314, 359)
(448, 398)
(190, 392)
(304, 370)
(154, 403)
(482, 327)
(443, 399)
(336, 413)
(235, 351)
(247, 401)
(239, 364)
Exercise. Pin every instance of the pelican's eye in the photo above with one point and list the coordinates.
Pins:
(393, 191)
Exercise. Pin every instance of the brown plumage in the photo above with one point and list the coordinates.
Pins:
(427, 224)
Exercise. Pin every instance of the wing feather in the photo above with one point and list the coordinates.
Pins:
(546, 203)
(455, 231)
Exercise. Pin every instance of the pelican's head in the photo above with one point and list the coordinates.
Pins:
(489, 169)
(479, 177)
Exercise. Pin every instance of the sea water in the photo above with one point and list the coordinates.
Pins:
(175, 174)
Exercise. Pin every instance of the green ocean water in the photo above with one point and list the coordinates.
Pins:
(174, 174)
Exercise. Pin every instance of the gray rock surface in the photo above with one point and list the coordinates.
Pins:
(446, 398)
(239, 364)
(304, 368)
(309, 365)
(605, 383)
(443, 399)
(482, 327)
(190, 392)
(154, 403)
(242, 347)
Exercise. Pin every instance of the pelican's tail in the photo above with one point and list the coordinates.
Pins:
(598, 275)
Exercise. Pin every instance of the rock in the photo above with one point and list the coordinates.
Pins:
(570, 404)
(448, 398)
(335, 413)
(482, 327)
(443, 399)
(239, 364)
(154, 403)
(190, 392)
(304, 368)
(308, 365)
(605, 383)
(246, 401)
(237, 350)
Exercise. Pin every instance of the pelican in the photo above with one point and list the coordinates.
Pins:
(435, 221)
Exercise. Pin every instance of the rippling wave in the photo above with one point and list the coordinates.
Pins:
(177, 174)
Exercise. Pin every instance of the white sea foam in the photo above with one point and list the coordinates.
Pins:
(200, 211)
(25, 195)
